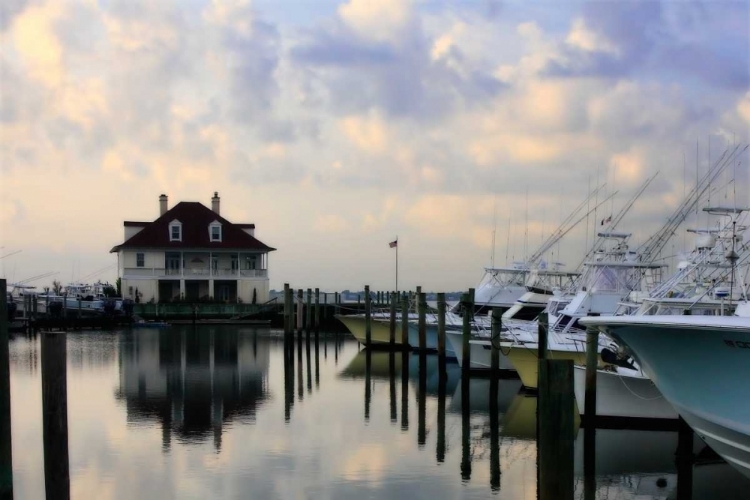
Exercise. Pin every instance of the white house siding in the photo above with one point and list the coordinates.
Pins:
(245, 290)
(148, 289)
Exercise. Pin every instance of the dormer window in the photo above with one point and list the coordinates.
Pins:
(214, 231)
(175, 231)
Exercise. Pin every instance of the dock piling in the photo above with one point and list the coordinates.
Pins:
(368, 317)
(6, 450)
(441, 323)
(496, 326)
(392, 332)
(542, 335)
(287, 308)
(300, 306)
(55, 416)
(555, 429)
(422, 309)
(592, 355)
(317, 310)
(404, 323)
(466, 354)
(308, 311)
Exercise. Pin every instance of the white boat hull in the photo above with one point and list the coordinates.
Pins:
(623, 396)
(431, 339)
(480, 352)
(701, 370)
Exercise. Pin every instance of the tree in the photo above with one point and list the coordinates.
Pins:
(109, 291)
(57, 287)
(118, 286)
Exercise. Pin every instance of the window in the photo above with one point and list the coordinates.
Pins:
(175, 231)
(214, 231)
(140, 260)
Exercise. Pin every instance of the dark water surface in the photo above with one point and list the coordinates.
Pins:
(215, 412)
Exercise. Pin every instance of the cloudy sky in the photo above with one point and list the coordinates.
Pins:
(337, 126)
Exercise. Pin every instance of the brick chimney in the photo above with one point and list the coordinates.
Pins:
(163, 205)
(215, 203)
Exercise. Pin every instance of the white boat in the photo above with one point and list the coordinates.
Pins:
(500, 287)
(623, 392)
(699, 364)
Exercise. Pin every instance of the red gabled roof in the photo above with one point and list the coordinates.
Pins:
(195, 219)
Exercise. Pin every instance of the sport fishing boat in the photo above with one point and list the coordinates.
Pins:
(615, 274)
(696, 363)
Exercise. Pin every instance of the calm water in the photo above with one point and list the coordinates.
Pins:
(216, 412)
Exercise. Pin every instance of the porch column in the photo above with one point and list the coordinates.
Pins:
(239, 266)
(182, 289)
(211, 289)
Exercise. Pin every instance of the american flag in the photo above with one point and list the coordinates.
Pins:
(393, 244)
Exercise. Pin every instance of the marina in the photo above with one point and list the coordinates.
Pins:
(374, 249)
(240, 401)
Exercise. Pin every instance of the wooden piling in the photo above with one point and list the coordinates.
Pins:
(422, 325)
(317, 310)
(555, 429)
(441, 323)
(404, 323)
(287, 308)
(392, 330)
(55, 416)
(308, 311)
(592, 358)
(422, 401)
(496, 326)
(79, 308)
(300, 307)
(684, 461)
(65, 307)
(442, 380)
(368, 317)
(466, 354)
(6, 450)
(542, 335)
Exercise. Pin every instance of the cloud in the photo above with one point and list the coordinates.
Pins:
(331, 223)
(367, 133)
(379, 21)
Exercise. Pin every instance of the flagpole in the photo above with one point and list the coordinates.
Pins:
(396, 264)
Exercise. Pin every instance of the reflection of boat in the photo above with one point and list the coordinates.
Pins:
(520, 419)
(380, 330)
(150, 324)
(431, 335)
(452, 372)
(621, 392)
(479, 395)
(622, 452)
(379, 365)
(698, 363)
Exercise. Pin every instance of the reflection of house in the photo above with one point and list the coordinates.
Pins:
(192, 382)
(192, 252)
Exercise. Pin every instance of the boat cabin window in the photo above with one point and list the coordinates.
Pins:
(140, 259)
(566, 320)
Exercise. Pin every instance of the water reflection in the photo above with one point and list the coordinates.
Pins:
(193, 416)
(192, 381)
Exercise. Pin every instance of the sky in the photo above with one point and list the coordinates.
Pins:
(337, 127)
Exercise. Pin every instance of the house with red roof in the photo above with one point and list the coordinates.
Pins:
(192, 253)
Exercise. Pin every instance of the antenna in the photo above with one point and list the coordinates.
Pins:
(507, 241)
(494, 230)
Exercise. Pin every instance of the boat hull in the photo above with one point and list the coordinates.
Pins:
(480, 352)
(701, 371)
(525, 360)
(623, 396)
(380, 331)
(431, 339)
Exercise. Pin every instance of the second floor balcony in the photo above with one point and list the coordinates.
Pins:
(195, 273)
